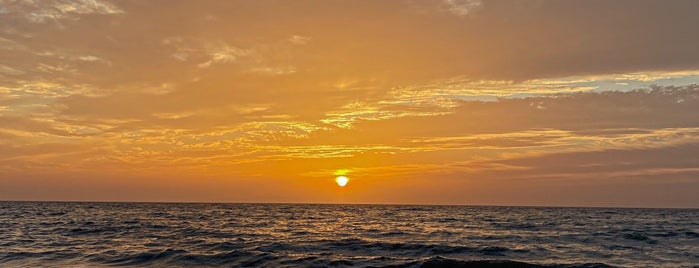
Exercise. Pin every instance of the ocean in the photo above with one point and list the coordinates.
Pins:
(58, 234)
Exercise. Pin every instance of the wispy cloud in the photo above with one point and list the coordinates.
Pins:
(461, 7)
(299, 39)
(7, 70)
(221, 54)
(50, 11)
(273, 70)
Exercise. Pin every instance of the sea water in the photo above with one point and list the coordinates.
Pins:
(57, 234)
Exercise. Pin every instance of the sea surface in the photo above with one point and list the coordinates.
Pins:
(55, 234)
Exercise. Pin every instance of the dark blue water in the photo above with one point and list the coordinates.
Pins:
(43, 234)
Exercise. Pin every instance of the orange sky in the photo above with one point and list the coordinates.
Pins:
(508, 102)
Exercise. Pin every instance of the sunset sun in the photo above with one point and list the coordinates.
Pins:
(341, 181)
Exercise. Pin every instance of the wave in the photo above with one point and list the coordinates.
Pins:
(171, 257)
(416, 249)
(146, 257)
(439, 262)
(639, 237)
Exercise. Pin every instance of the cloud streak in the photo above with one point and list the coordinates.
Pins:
(53, 11)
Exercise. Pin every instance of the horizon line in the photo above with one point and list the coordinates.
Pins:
(341, 204)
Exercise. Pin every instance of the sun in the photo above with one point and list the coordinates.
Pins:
(341, 181)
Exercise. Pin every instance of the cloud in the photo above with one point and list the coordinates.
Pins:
(461, 7)
(7, 70)
(33, 127)
(351, 113)
(223, 54)
(611, 163)
(299, 39)
(585, 111)
(273, 70)
(49, 11)
(89, 58)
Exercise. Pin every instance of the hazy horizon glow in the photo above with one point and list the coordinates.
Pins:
(506, 102)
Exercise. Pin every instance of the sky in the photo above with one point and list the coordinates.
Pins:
(503, 102)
